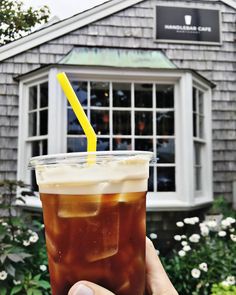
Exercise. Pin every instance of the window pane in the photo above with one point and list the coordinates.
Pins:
(150, 180)
(100, 121)
(194, 125)
(81, 90)
(201, 103)
(44, 95)
(32, 124)
(76, 145)
(165, 123)
(197, 153)
(198, 178)
(121, 144)
(165, 150)
(99, 94)
(103, 144)
(33, 98)
(73, 125)
(143, 95)
(121, 94)
(43, 122)
(144, 145)
(164, 96)
(194, 99)
(166, 179)
(143, 123)
(122, 122)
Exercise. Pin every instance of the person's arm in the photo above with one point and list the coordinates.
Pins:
(158, 282)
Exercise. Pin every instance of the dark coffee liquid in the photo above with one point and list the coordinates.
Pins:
(100, 238)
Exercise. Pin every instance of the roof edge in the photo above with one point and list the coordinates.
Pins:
(63, 27)
(231, 3)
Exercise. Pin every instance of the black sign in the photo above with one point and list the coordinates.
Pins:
(187, 25)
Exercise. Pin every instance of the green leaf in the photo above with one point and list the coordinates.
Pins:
(16, 290)
(3, 291)
(3, 258)
(15, 257)
(10, 269)
(44, 284)
(37, 292)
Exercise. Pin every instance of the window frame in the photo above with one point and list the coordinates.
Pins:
(184, 197)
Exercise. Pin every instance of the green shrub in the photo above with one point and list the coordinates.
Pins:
(23, 258)
(221, 289)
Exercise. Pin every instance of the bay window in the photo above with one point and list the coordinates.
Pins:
(159, 111)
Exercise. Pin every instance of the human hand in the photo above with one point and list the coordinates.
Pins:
(157, 280)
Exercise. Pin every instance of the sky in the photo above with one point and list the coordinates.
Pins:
(64, 8)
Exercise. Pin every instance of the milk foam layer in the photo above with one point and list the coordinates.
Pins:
(109, 176)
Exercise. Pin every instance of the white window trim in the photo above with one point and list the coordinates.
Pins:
(184, 198)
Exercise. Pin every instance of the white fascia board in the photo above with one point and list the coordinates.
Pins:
(64, 27)
(231, 3)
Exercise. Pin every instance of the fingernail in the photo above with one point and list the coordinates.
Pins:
(83, 290)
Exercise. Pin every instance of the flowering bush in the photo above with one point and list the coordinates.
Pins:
(223, 289)
(23, 259)
(205, 259)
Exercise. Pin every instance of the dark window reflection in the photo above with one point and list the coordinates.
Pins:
(81, 91)
(73, 126)
(201, 127)
(143, 95)
(99, 94)
(194, 99)
(164, 96)
(144, 145)
(121, 94)
(33, 98)
(165, 123)
(201, 103)
(194, 125)
(165, 150)
(121, 144)
(43, 122)
(150, 180)
(100, 121)
(197, 153)
(76, 145)
(44, 95)
(103, 144)
(121, 122)
(32, 124)
(143, 123)
(165, 179)
(198, 178)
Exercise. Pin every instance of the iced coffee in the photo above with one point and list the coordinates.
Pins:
(94, 215)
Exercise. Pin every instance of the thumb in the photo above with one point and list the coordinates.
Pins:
(88, 288)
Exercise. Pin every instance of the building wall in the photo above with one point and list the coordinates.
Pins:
(133, 28)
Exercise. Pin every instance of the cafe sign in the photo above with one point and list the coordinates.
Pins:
(187, 25)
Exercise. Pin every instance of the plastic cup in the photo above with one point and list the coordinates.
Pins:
(95, 218)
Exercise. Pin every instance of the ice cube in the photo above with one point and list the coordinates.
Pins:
(72, 206)
(131, 197)
(103, 240)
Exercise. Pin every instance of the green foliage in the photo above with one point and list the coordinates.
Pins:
(23, 258)
(204, 256)
(16, 21)
(220, 289)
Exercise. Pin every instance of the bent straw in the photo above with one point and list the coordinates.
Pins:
(79, 112)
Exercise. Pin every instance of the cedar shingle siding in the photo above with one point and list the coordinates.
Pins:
(133, 28)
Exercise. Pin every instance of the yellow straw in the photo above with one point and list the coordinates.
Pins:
(79, 112)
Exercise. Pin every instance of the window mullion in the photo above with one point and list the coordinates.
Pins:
(38, 112)
(111, 116)
(155, 136)
(132, 116)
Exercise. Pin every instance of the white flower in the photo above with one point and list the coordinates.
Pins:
(26, 243)
(225, 223)
(194, 238)
(225, 283)
(195, 273)
(187, 220)
(43, 267)
(16, 282)
(184, 243)
(177, 237)
(4, 224)
(212, 224)
(183, 237)
(233, 237)
(222, 233)
(153, 236)
(204, 231)
(186, 248)
(34, 238)
(181, 253)
(42, 226)
(180, 224)
(232, 230)
(231, 220)
(30, 231)
(203, 266)
(196, 219)
(3, 275)
(231, 280)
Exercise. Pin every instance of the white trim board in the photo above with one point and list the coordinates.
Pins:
(70, 24)
(64, 27)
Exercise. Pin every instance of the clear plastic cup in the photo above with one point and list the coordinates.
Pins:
(95, 218)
